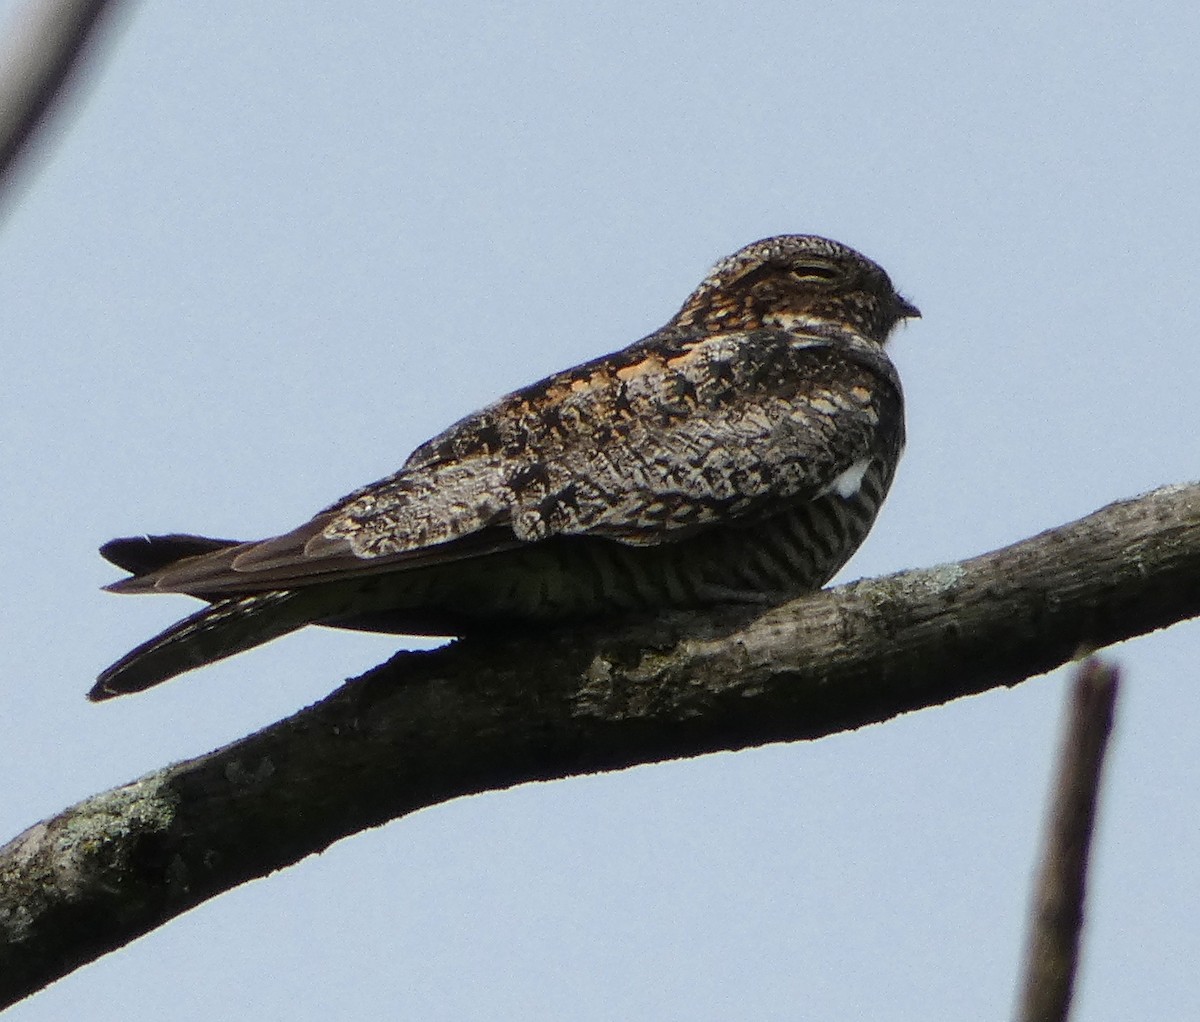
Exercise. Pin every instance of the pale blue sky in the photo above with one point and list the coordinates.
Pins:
(272, 250)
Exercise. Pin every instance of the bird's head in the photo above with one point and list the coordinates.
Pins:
(792, 281)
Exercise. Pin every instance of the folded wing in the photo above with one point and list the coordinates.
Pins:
(642, 447)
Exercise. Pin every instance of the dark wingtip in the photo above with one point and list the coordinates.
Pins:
(212, 633)
(100, 692)
(128, 552)
(119, 680)
(140, 555)
(134, 672)
(132, 584)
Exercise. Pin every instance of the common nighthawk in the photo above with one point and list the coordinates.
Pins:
(739, 454)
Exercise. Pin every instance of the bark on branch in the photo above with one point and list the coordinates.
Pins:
(481, 715)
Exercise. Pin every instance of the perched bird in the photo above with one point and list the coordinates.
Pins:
(739, 454)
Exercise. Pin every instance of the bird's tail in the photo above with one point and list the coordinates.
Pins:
(227, 627)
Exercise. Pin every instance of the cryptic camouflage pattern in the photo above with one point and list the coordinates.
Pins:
(739, 453)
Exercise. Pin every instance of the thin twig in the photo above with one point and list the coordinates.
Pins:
(45, 44)
(1057, 918)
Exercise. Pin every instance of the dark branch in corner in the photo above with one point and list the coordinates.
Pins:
(47, 41)
(483, 715)
(1052, 956)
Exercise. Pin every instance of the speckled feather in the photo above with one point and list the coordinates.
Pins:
(768, 390)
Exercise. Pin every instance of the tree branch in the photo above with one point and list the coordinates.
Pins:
(481, 715)
(1052, 955)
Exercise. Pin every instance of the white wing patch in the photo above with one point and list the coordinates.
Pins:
(847, 483)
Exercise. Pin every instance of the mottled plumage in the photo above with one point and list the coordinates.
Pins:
(738, 454)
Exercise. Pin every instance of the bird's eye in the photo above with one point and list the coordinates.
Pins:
(815, 271)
